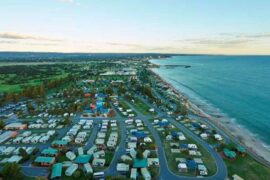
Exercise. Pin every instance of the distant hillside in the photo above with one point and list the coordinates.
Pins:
(52, 57)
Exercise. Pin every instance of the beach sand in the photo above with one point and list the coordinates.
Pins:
(237, 134)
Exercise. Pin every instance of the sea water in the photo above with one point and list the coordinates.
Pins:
(235, 86)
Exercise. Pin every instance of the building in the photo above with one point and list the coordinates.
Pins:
(122, 168)
(14, 159)
(82, 159)
(15, 126)
(56, 171)
(133, 174)
(87, 168)
(146, 174)
(7, 135)
(45, 161)
(49, 152)
(139, 163)
(182, 167)
(98, 162)
(229, 154)
(70, 155)
(71, 169)
(59, 143)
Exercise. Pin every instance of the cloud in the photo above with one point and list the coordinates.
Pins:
(245, 35)
(16, 36)
(67, 1)
(70, 2)
(219, 42)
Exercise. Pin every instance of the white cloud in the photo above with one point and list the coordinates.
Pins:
(17, 36)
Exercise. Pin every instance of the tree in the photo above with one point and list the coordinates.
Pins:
(67, 121)
(77, 174)
(2, 124)
(24, 154)
(11, 171)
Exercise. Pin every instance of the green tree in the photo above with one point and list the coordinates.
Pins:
(2, 124)
(11, 171)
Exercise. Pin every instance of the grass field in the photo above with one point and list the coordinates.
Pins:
(206, 157)
(142, 107)
(31, 82)
(247, 168)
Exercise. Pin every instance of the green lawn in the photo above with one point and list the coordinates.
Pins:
(247, 168)
(142, 107)
(206, 157)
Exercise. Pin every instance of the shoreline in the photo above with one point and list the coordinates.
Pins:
(234, 131)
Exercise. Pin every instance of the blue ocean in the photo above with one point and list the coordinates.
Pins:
(235, 86)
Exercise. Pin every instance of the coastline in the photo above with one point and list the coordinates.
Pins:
(236, 133)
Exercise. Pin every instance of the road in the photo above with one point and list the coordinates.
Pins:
(165, 172)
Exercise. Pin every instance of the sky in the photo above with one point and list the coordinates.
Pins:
(136, 26)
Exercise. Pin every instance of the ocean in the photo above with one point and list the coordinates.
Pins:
(237, 87)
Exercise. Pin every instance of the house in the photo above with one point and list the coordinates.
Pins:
(147, 140)
(92, 150)
(126, 158)
(80, 151)
(183, 147)
(241, 150)
(152, 162)
(191, 164)
(8, 150)
(50, 152)
(192, 146)
(218, 137)
(59, 143)
(236, 177)
(99, 141)
(139, 134)
(132, 145)
(35, 139)
(44, 139)
(82, 159)
(122, 168)
(7, 135)
(70, 155)
(99, 154)
(182, 167)
(146, 174)
(71, 169)
(139, 163)
(202, 170)
(133, 174)
(14, 159)
(146, 153)
(45, 161)
(98, 162)
(229, 154)
(56, 171)
(15, 126)
(87, 168)
(17, 140)
(26, 133)
(79, 140)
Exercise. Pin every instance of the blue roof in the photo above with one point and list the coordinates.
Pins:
(139, 134)
(56, 170)
(140, 163)
(82, 159)
(191, 164)
(183, 146)
(163, 123)
(195, 125)
(174, 134)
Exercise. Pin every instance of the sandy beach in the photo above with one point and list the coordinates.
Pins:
(237, 133)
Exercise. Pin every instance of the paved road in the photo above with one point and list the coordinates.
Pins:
(165, 172)
(121, 150)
